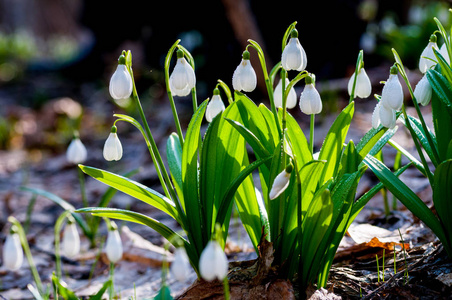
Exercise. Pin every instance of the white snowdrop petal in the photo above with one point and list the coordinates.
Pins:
(244, 77)
(280, 184)
(113, 246)
(363, 84)
(214, 107)
(292, 56)
(121, 83)
(291, 100)
(70, 245)
(387, 117)
(444, 53)
(376, 116)
(426, 62)
(182, 79)
(180, 268)
(423, 91)
(310, 101)
(207, 261)
(76, 152)
(350, 85)
(221, 262)
(13, 254)
(112, 148)
(392, 94)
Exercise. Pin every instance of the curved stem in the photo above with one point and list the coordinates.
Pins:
(191, 61)
(226, 90)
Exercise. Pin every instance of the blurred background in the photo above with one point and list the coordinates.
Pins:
(57, 56)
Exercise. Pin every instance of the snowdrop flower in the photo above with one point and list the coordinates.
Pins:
(215, 106)
(112, 146)
(363, 87)
(426, 62)
(423, 91)
(376, 116)
(387, 116)
(294, 56)
(183, 78)
(76, 152)
(281, 182)
(310, 102)
(444, 53)
(244, 77)
(121, 84)
(113, 246)
(291, 100)
(392, 94)
(13, 254)
(213, 263)
(71, 240)
(180, 267)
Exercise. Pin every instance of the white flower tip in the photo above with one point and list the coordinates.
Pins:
(112, 148)
(71, 241)
(182, 79)
(280, 184)
(180, 267)
(121, 84)
(310, 101)
(13, 254)
(76, 152)
(113, 247)
(244, 77)
(213, 263)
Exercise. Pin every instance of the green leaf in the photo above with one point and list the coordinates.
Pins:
(406, 196)
(134, 189)
(174, 158)
(442, 123)
(164, 293)
(298, 142)
(442, 196)
(101, 292)
(62, 289)
(251, 139)
(441, 87)
(332, 146)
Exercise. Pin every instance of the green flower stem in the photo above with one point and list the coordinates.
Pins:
(284, 98)
(273, 73)
(268, 83)
(311, 134)
(226, 288)
(58, 226)
(226, 90)
(112, 279)
(26, 248)
(287, 34)
(170, 96)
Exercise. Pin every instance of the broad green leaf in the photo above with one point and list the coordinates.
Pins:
(332, 146)
(442, 88)
(442, 198)
(62, 289)
(174, 158)
(164, 294)
(406, 196)
(442, 123)
(101, 292)
(134, 189)
(298, 141)
(251, 139)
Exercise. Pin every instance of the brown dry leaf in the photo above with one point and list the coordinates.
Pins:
(367, 250)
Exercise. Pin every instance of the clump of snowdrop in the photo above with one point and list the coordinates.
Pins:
(71, 239)
(213, 263)
(291, 100)
(294, 56)
(363, 86)
(310, 101)
(215, 106)
(428, 59)
(121, 84)
(244, 77)
(13, 254)
(281, 182)
(183, 78)
(76, 152)
(112, 147)
(180, 268)
(392, 94)
(113, 245)
(423, 91)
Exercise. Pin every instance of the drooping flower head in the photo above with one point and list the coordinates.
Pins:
(113, 245)
(13, 254)
(213, 263)
(76, 152)
(180, 266)
(215, 106)
(310, 101)
(121, 84)
(392, 94)
(112, 146)
(281, 182)
(423, 91)
(244, 77)
(363, 86)
(291, 100)
(294, 56)
(387, 116)
(428, 58)
(71, 239)
(183, 78)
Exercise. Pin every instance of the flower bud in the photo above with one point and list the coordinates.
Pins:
(215, 106)
(392, 94)
(280, 183)
(183, 78)
(294, 56)
(213, 263)
(363, 86)
(244, 77)
(13, 254)
(113, 246)
(291, 100)
(423, 91)
(180, 267)
(428, 58)
(387, 116)
(112, 146)
(71, 240)
(121, 84)
(310, 101)
(76, 152)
